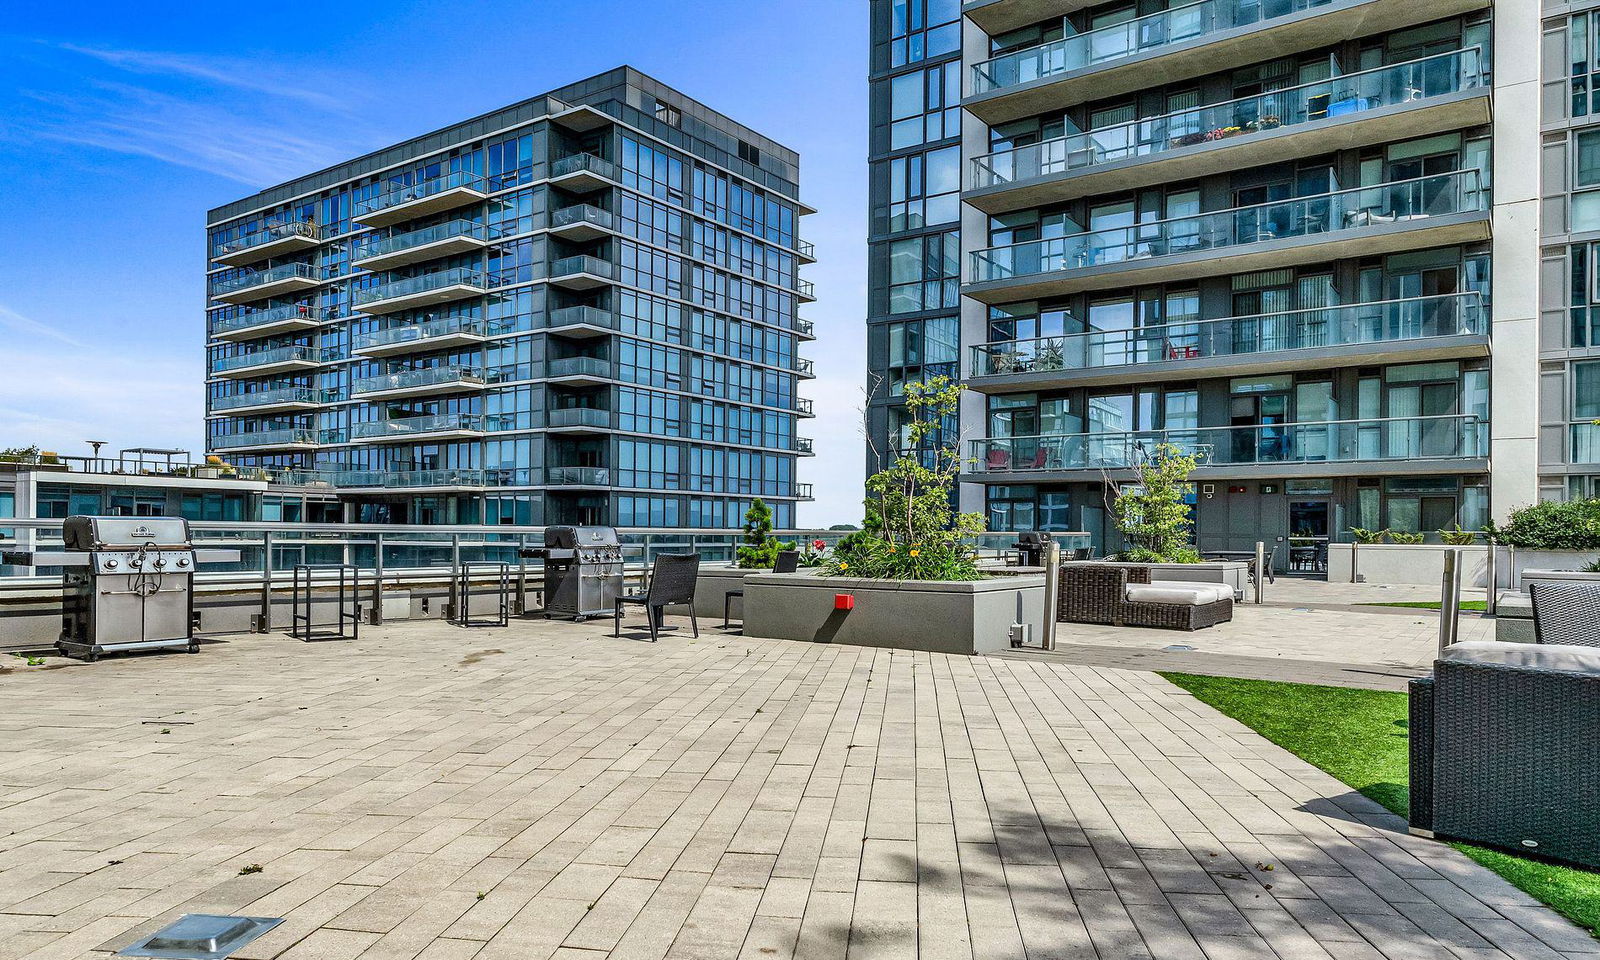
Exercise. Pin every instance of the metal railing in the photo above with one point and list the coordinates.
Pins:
(579, 417)
(262, 398)
(580, 367)
(262, 358)
(583, 263)
(424, 283)
(1386, 321)
(373, 246)
(581, 213)
(1334, 441)
(805, 328)
(806, 248)
(425, 377)
(591, 316)
(1340, 211)
(806, 287)
(399, 194)
(578, 476)
(280, 437)
(406, 427)
(260, 278)
(261, 318)
(421, 332)
(805, 406)
(584, 163)
(804, 445)
(1345, 95)
(269, 233)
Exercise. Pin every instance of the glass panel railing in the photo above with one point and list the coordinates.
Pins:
(805, 328)
(1388, 321)
(425, 377)
(1140, 35)
(411, 426)
(304, 229)
(580, 366)
(260, 358)
(1351, 93)
(399, 194)
(580, 476)
(581, 213)
(261, 438)
(384, 246)
(804, 445)
(419, 332)
(1342, 211)
(571, 266)
(592, 316)
(456, 276)
(411, 478)
(584, 162)
(1340, 441)
(257, 278)
(262, 318)
(579, 417)
(805, 367)
(806, 248)
(805, 406)
(258, 398)
(806, 288)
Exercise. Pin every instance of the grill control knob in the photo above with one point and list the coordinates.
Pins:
(111, 564)
(183, 561)
(160, 562)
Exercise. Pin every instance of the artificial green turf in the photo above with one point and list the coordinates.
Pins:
(1361, 737)
(1428, 604)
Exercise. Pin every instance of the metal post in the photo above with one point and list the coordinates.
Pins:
(1492, 602)
(455, 573)
(521, 606)
(377, 579)
(1052, 580)
(1261, 569)
(1450, 600)
(265, 617)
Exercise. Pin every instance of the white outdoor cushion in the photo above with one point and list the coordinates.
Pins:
(1543, 656)
(1169, 593)
(1218, 591)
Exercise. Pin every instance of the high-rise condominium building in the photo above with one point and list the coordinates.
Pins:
(1334, 247)
(582, 308)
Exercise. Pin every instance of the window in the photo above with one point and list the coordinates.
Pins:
(668, 114)
(1586, 412)
(919, 29)
(924, 189)
(749, 153)
(925, 105)
(1588, 165)
(919, 349)
(924, 273)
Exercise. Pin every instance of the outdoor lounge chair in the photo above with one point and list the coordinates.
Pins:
(1566, 612)
(1124, 596)
(788, 562)
(672, 580)
(1505, 741)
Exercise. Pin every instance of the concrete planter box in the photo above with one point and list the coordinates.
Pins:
(1517, 565)
(1234, 573)
(966, 617)
(711, 585)
(1415, 563)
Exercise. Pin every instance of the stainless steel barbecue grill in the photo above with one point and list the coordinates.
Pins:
(582, 571)
(127, 584)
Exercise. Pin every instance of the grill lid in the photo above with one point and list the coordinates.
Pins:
(128, 533)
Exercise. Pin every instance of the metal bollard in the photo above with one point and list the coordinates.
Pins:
(1261, 569)
(1492, 604)
(1052, 584)
(1450, 600)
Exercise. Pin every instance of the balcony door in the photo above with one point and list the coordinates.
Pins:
(1412, 317)
(1412, 433)
(1423, 189)
(1258, 419)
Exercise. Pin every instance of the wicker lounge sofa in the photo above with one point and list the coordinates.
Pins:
(1124, 596)
(1505, 745)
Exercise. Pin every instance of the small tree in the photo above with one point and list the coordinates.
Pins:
(1153, 516)
(760, 550)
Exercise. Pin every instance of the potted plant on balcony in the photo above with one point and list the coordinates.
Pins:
(910, 579)
(1051, 356)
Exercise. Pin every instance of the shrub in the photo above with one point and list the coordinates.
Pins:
(1396, 536)
(1551, 525)
(1367, 536)
(1153, 516)
(1458, 537)
(760, 551)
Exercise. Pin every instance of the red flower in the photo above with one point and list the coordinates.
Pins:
(818, 544)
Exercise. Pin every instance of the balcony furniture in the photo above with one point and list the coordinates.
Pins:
(1566, 612)
(1028, 551)
(788, 562)
(672, 580)
(1125, 596)
(997, 460)
(1505, 739)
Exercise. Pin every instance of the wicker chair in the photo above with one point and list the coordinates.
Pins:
(672, 580)
(1506, 756)
(1098, 593)
(1566, 612)
(788, 562)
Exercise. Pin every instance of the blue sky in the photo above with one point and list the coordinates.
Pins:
(121, 124)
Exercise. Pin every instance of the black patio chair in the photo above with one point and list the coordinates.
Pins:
(1566, 612)
(788, 562)
(672, 580)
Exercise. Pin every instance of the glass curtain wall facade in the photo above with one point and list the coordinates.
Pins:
(582, 308)
(1263, 232)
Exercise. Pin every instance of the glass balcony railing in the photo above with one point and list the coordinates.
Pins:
(591, 417)
(263, 318)
(581, 213)
(1118, 41)
(573, 266)
(807, 288)
(272, 233)
(404, 427)
(580, 367)
(805, 328)
(424, 283)
(421, 332)
(805, 406)
(804, 445)
(425, 377)
(412, 478)
(1342, 211)
(579, 476)
(806, 248)
(262, 358)
(805, 367)
(260, 278)
(590, 316)
(584, 163)
(262, 398)
(1338, 441)
(803, 491)
(1352, 93)
(403, 193)
(371, 247)
(280, 437)
(1388, 321)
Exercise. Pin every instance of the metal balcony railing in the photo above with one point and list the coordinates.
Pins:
(582, 213)
(260, 278)
(403, 193)
(404, 427)
(579, 476)
(261, 398)
(262, 318)
(580, 366)
(284, 436)
(584, 162)
(592, 417)
(269, 234)
(424, 283)
(421, 332)
(572, 266)
(1338, 441)
(804, 445)
(1341, 211)
(592, 316)
(261, 358)
(373, 246)
(425, 377)
(1387, 321)
(1414, 82)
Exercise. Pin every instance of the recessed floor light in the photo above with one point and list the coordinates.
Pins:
(201, 936)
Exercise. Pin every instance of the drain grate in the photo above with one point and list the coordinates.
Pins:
(201, 936)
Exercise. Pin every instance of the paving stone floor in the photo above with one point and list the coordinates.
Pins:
(545, 791)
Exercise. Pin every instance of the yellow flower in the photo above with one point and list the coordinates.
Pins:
(843, 565)
(915, 552)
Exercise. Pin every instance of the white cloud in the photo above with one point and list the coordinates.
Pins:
(15, 322)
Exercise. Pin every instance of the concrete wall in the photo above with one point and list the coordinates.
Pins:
(966, 618)
(1423, 563)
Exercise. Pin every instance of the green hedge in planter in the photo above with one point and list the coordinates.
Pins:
(1552, 525)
